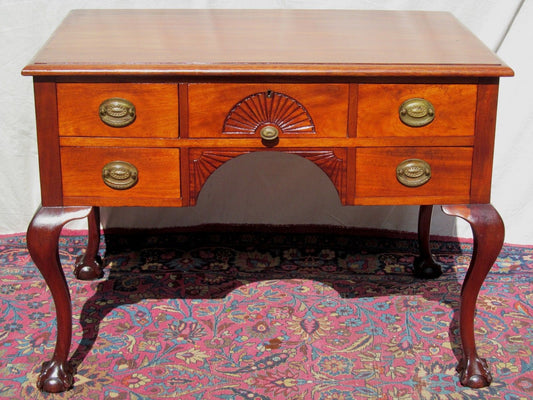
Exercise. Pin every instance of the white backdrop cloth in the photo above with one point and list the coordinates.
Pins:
(242, 192)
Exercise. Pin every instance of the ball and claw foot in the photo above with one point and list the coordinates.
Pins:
(474, 373)
(88, 270)
(426, 268)
(56, 377)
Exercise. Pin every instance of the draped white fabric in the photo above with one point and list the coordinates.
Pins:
(269, 188)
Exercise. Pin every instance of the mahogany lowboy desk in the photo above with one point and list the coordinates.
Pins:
(138, 108)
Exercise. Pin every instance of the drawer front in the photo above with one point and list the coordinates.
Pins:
(450, 112)
(437, 175)
(106, 176)
(118, 110)
(243, 110)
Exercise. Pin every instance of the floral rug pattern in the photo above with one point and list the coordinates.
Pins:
(243, 315)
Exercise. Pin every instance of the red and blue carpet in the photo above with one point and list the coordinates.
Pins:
(266, 316)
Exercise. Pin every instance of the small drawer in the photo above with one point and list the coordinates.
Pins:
(106, 176)
(118, 110)
(289, 110)
(411, 175)
(426, 110)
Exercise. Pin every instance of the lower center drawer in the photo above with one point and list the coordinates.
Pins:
(110, 176)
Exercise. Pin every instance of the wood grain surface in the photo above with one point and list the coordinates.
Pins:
(210, 104)
(259, 42)
(376, 182)
(156, 107)
(378, 110)
(158, 183)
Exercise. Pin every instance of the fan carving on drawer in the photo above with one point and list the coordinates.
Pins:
(268, 108)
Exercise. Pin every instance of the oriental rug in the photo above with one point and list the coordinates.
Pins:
(266, 315)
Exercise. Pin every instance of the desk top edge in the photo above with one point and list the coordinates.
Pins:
(300, 42)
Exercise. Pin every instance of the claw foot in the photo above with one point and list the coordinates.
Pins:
(55, 377)
(88, 270)
(426, 268)
(474, 373)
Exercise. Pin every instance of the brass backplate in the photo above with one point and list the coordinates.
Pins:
(417, 112)
(413, 172)
(120, 175)
(117, 112)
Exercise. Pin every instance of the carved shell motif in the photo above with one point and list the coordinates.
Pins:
(205, 162)
(268, 108)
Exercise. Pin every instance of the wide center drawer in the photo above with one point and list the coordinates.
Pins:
(108, 176)
(241, 110)
(143, 110)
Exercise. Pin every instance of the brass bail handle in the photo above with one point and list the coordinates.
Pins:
(117, 112)
(417, 112)
(120, 175)
(413, 172)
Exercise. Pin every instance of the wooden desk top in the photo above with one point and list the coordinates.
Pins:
(264, 42)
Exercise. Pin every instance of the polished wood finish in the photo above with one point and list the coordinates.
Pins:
(284, 142)
(48, 142)
(326, 104)
(88, 266)
(376, 181)
(488, 229)
(227, 43)
(56, 375)
(424, 265)
(205, 82)
(155, 106)
(158, 184)
(378, 110)
(484, 140)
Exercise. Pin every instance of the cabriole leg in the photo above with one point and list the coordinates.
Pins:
(488, 231)
(424, 265)
(42, 238)
(89, 265)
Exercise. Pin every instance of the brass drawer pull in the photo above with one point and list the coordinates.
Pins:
(120, 175)
(413, 172)
(117, 112)
(269, 133)
(417, 112)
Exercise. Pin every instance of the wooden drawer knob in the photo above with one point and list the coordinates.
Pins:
(413, 172)
(120, 175)
(417, 112)
(117, 112)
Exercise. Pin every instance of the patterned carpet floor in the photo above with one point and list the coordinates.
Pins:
(241, 315)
